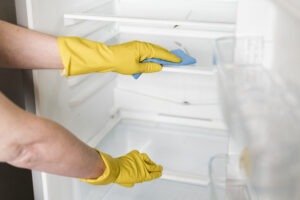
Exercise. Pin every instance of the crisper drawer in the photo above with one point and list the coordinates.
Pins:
(183, 151)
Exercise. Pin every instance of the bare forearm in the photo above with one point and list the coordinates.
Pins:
(35, 143)
(24, 48)
(59, 152)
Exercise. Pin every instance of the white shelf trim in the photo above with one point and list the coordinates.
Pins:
(185, 178)
(227, 27)
(202, 70)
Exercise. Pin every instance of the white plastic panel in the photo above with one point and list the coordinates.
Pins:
(291, 7)
(255, 18)
(219, 14)
(56, 101)
(47, 16)
(182, 89)
(167, 93)
(194, 10)
(286, 62)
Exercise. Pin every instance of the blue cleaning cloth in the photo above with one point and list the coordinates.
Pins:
(185, 60)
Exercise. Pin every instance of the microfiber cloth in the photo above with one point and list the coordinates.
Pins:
(185, 60)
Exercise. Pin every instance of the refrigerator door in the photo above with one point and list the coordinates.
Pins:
(260, 96)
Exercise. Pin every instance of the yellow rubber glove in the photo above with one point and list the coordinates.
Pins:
(127, 170)
(81, 56)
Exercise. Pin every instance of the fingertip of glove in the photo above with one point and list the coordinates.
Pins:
(149, 67)
(173, 58)
(134, 151)
(161, 168)
(154, 168)
(155, 175)
(177, 59)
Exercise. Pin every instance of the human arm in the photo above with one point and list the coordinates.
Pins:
(27, 49)
(32, 142)
(24, 48)
(36, 143)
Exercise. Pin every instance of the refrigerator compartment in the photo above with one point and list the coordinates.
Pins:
(214, 15)
(175, 88)
(184, 151)
(185, 96)
(111, 34)
(260, 110)
(223, 184)
(204, 69)
(195, 45)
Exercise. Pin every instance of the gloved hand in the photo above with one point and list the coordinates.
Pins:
(127, 170)
(81, 56)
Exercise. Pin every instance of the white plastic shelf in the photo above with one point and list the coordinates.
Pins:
(225, 27)
(200, 48)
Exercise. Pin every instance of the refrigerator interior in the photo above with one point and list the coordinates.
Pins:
(172, 115)
(179, 102)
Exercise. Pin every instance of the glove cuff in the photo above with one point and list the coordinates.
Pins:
(81, 56)
(110, 174)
